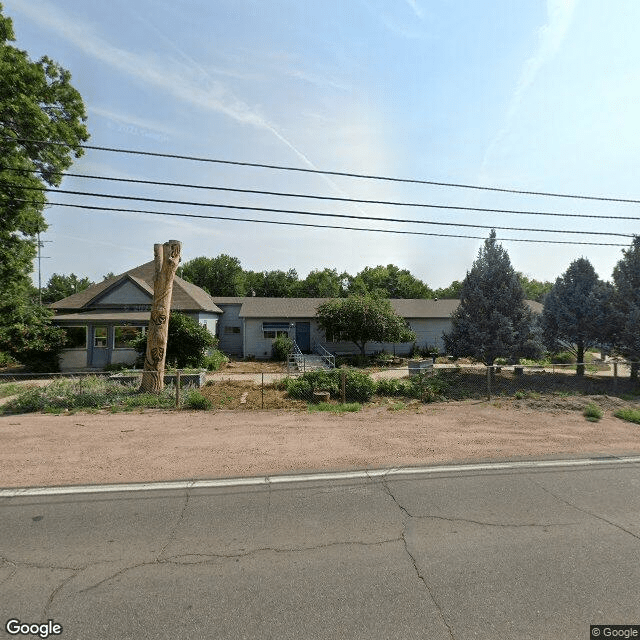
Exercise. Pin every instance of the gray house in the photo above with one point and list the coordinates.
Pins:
(101, 321)
(248, 326)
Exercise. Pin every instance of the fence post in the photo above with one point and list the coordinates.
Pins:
(177, 388)
(343, 386)
(263, 389)
(489, 382)
(615, 374)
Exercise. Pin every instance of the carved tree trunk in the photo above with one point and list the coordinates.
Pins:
(167, 258)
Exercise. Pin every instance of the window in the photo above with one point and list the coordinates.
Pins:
(231, 330)
(100, 337)
(272, 330)
(274, 334)
(123, 336)
(76, 338)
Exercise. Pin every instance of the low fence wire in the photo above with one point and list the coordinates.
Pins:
(273, 389)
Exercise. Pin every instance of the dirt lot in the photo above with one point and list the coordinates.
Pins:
(38, 450)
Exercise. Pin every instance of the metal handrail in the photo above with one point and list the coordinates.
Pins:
(296, 356)
(326, 355)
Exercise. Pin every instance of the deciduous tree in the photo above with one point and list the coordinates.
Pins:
(362, 319)
(41, 129)
(61, 286)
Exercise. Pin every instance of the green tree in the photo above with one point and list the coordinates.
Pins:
(534, 289)
(362, 319)
(452, 292)
(220, 276)
(187, 343)
(576, 312)
(327, 283)
(272, 284)
(389, 282)
(29, 338)
(41, 129)
(492, 319)
(61, 286)
(626, 305)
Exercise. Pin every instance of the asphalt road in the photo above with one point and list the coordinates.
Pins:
(537, 553)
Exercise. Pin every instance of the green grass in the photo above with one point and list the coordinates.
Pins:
(335, 408)
(10, 389)
(629, 414)
(93, 393)
(592, 412)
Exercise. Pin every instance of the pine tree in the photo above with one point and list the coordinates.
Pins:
(626, 304)
(493, 319)
(576, 311)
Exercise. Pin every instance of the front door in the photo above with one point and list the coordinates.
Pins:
(303, 336)
(99, 346)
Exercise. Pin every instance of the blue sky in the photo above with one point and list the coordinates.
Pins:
(527, 95)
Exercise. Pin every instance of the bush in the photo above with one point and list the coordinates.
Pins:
(393, 387)
(214, 360)
(592, 412)
(359, 386)
(6, 360)
(281, 347)
(29, 338)
(187, 343)
(629, 414)
(563, 357)
(196, 401)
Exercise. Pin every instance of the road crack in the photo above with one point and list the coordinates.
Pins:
(586, 511)
(405, 520)
(174, 530)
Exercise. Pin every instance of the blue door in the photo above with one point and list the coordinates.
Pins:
(99, 345)
(303, 336)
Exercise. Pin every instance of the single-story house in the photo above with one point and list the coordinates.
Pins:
(102, 320)
(249, 325)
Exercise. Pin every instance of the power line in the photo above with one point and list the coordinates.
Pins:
(331, 198)
(320, 226)
(345, 174)
(322, 214)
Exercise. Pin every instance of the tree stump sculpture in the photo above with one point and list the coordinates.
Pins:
(167, 259)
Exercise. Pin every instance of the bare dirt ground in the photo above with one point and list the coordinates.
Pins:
(42, 450)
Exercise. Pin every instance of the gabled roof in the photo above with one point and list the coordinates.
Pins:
(255, 307)
(186, 296)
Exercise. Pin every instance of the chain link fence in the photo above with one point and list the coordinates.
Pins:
(419, 381)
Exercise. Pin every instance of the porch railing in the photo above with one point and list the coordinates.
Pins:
(326, 356)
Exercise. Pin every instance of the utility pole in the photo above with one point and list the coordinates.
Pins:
(40, 257)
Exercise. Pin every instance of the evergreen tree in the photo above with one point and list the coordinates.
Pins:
(576, 312)
(493, 319)
(626, 304)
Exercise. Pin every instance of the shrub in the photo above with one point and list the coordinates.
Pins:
(281, 347)
(563, 357)
(592, 412)
(187, 343)
(358, 385)
(196, 401)
(214, 360)
(629, 414)
(6, 360)
(393, 387)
